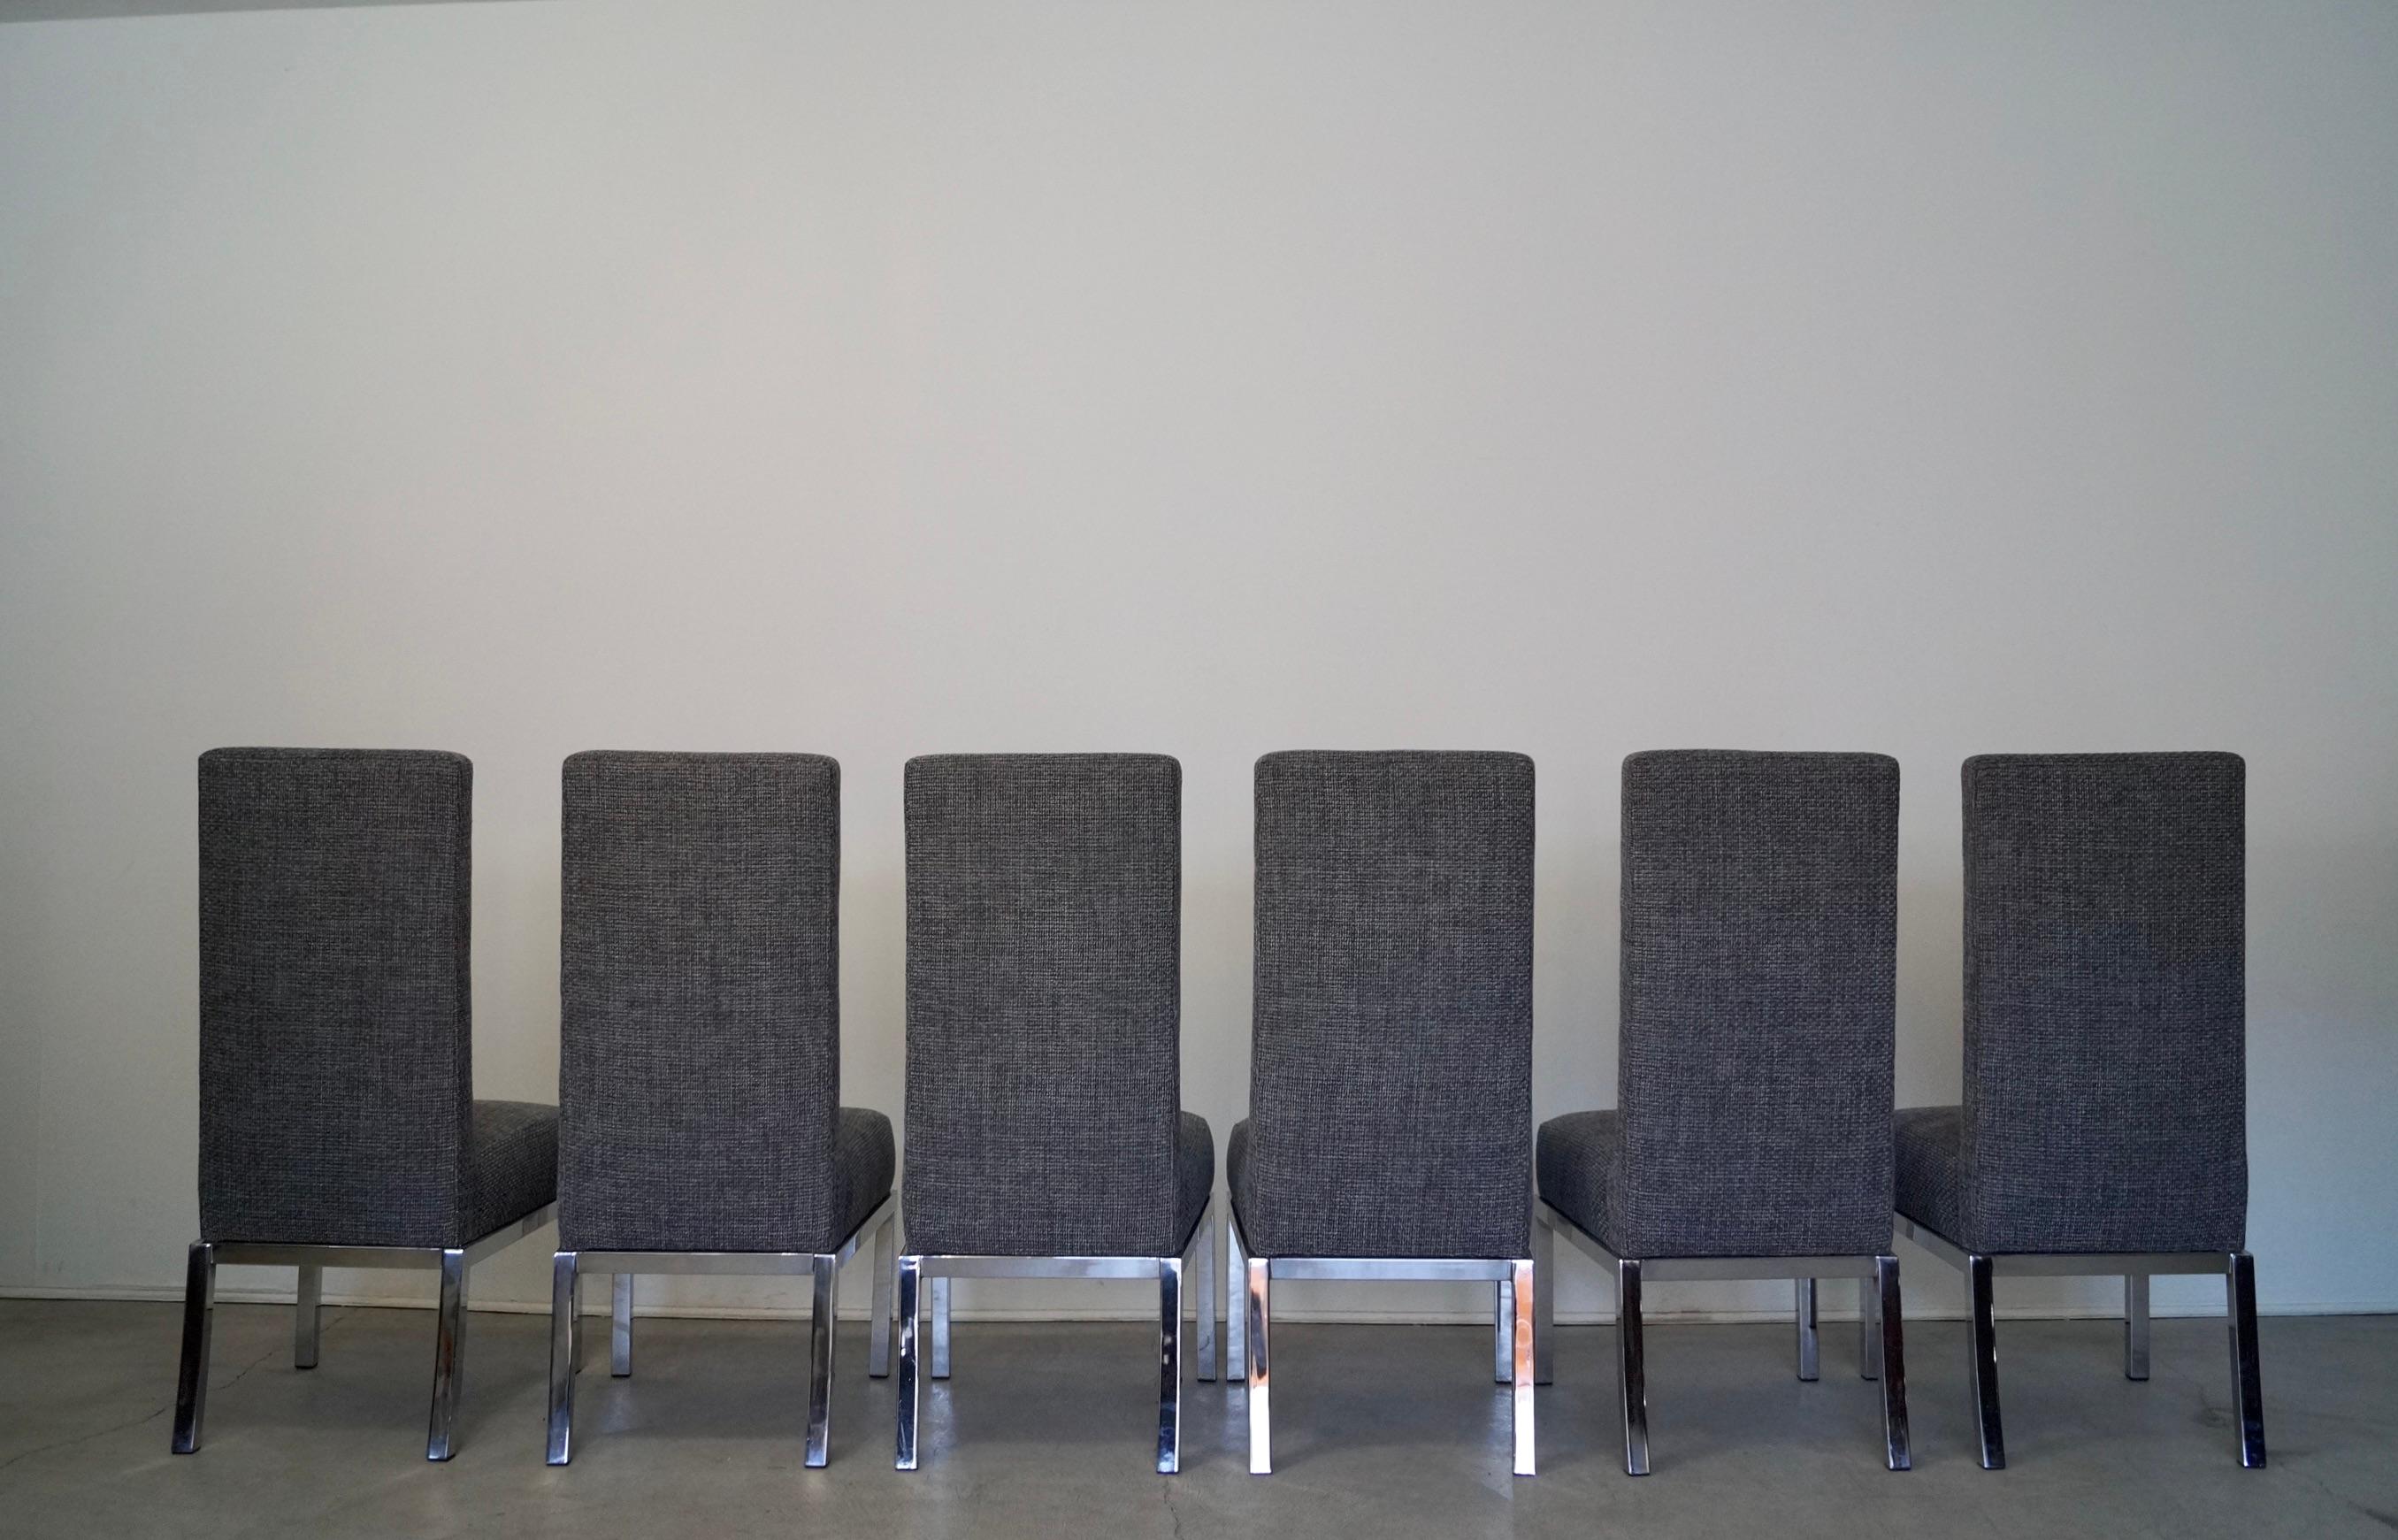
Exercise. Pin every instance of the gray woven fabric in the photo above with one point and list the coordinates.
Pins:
(2105, 1086)
(1390, 1064)
(336, 1075)
(1930, 1188)
(699, 1027)
(1760, 949)
(1575, 1157)
(1043, 1007)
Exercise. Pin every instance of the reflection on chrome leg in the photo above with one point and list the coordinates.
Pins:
(192, 1373)
(1169, 1365)
(1545, 1308)
(907, 1366)
(2248, 1375)
(2136, 1326)
(565, 1334)
(1632, 1371)
(1983, 1334)
(1202, 1248)
(620, 1326)
(941, 1328)
(449, 1356)
(878, 1323)
(1891, 1315)
(1523, 1297)
(1808, 1351)
(1259, 1309)
(1237, 1301)
(1503, 1332)
(823, 1304)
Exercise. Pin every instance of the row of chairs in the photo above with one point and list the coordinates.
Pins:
(1389, 1134)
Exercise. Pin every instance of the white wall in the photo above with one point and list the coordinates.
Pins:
(521, 378)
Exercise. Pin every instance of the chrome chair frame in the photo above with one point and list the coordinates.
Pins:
(1881, 1330)
(1249, 1282)
(918, 1268)
(2239, 1271)
(449, 1330)
(566, 1317)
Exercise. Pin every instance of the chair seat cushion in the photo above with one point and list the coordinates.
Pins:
(1930, 1150)
(864, 1159)
(511, 1166)
(1575, 1156)
(1194, 1171)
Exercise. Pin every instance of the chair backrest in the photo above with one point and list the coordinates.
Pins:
(1391, 1062)
(2106, 1025)
(1760, 949)
(335, 1076)
(1043, 1003)
(699, 1003)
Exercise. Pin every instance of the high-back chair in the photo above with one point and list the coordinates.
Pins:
(699, 1048)
(338, 1120)
(2103, 1125)
(1752, 1133)
(1045, 1135)
(1391, 1068)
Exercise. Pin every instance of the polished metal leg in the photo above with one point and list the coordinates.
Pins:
(1237, 1301)
(1259, 1309)
(565, 1332)
(1203, 1250)
(2136, 1326)
(1503, 1332)
(941, 1328)
(620, 1326)
(1869, 1330)
(1897, 1451)
(1545, 1306)
(191, 1373)
(1632, 1370)
(2247, 1372)
(1169, 1365)
(581, 1332)
(908, 1267)
(304, 1315)
(1986, 1364)
(821, 1307)
(449, 1356)
(878, 1327)
(1523, 1296)
(1810, 1348)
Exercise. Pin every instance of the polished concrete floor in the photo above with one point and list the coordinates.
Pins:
(1045, 1431)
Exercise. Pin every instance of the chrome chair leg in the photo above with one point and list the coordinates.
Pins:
(565, 1285)
(909, 1268)
(1523, 1296)
(580, 1332)
(877, 1326)
(1259, 1309)
(2136, 1326)
(1809, 1350)
(305, 1312)
(1169, 1365)
(620, 1326)
(1545, 1307)
(1632, 1370)
(941, 1328)
(2248, 1375)
(1203, 1250)
(192, 1373)
(1237, 1306)
(1985, 1365)
(1886, 1310)
(1503, 1332)
(449, 1356)
(822, 1303)
(1869, 1330)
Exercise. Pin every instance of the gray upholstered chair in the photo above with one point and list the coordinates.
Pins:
(1045, 1135)
(1389, 1133)
(699, 1048)
(2103, 1125)
(1751, 1138)
(338, 1122)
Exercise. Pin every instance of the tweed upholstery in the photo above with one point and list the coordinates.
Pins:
(1930, 1189)
(2105, 1084)
(1390, 1081)
(1760, 944)
(1574, 1158)
(1043, 1007)
(699, 1027)
(336, 1077)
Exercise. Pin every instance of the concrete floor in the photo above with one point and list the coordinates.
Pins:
(1045, 1431)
